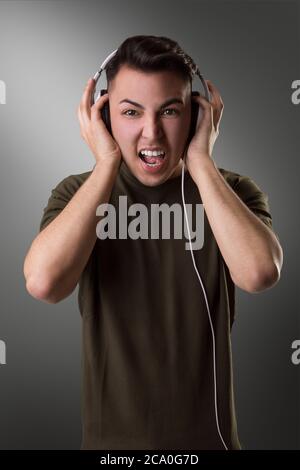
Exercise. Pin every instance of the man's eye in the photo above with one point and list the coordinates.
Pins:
(172, 109)
(125, 112)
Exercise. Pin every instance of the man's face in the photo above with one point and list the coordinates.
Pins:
(149, 122)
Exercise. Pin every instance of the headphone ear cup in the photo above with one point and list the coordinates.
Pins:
(105, 114)
(194, 115)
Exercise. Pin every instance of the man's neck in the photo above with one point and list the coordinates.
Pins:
(177, 171)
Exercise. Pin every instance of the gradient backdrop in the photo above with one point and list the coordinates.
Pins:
(48, 50)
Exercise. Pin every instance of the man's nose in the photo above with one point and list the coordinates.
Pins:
(152, 128)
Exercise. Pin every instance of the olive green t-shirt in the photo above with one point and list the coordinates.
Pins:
(147, 350)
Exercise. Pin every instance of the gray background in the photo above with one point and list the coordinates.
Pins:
(48, 50)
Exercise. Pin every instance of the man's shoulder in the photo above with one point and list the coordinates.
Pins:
(243, 185)
(61, 195)
(78, 178)
(231, 177)
(70, 184)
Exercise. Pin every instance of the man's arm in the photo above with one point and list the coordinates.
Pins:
(59, 253)
(250, 249)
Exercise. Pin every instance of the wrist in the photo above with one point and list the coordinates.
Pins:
(108, 165)
(201, 163)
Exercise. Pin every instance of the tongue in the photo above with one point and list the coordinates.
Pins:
(152, 159)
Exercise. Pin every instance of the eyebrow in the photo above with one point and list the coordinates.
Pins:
(166, 103)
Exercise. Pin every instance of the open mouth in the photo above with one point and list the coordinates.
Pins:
(153, 160)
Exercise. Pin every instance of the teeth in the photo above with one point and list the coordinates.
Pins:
(152, 164)
(156, 153)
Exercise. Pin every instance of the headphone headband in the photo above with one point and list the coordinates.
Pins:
(104, 63)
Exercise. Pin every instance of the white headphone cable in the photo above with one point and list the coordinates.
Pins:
(205, 297)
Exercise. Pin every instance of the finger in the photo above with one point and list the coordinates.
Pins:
(96, 108)
(219, 117)
(81, 123)
(206, 106)
(217, 104)
(208, 109)
(212, 93)
(203, 101)
(85, 103)
(217, 100)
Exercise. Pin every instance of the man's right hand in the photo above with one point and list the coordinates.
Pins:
(93, 130)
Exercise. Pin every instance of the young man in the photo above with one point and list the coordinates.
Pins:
(148, 376)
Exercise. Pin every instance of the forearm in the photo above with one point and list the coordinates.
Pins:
(250, 250)
(59, 253)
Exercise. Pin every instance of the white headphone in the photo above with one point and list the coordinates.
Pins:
(207, 96)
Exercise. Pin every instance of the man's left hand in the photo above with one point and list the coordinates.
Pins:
(201, 146)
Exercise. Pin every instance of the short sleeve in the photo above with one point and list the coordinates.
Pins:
(60, 196)
(255, 199)
(56, 203)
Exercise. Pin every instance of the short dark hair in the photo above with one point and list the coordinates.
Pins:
(151, 54)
